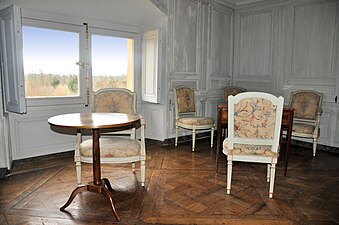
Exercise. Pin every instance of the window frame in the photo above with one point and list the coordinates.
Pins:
(104, 31)
(61, 100)
(12, 79)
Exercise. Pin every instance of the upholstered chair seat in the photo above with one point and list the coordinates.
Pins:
(303, 128)
(198, 121)
(112, 147)
(249, 150)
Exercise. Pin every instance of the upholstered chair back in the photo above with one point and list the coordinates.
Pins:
(306, 104)
(254, 118)
(114, 100)
(185, 100)
(232, 90)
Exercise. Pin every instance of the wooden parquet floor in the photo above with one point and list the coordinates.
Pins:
(181, 188)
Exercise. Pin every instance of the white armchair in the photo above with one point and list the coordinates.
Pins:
(114, 146)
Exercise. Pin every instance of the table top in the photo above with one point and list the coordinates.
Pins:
(94, 120)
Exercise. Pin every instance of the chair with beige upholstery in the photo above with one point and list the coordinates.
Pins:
(231, 90)
(186, 115)
(254, 121)
(118, 146)
(307, 113)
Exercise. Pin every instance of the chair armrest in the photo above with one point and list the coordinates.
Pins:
(142, 121)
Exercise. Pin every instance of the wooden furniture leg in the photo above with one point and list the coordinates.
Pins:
(98, 184)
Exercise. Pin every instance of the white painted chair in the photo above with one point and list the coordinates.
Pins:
(307, 112)
(254, 122)
(186, 115)
(115, 147)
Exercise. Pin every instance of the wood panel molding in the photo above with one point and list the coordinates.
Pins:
(313, 43)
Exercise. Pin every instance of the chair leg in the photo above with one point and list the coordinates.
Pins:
(272, 178)
(78, 171)
(176, 135)
(229, 176)
(142, 172)
(212, 135)
(268, 172)
(314, 146)
(193, 140)
(133, 167)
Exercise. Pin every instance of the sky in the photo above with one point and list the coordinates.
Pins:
(52, 51)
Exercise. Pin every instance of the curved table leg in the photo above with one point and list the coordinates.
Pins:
(74, 193)
(108, 184)
(109, 198)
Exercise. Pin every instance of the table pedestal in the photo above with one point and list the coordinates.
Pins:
(98, 184)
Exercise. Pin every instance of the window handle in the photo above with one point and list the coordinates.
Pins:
(82, 64)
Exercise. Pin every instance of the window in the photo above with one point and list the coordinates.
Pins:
(59, 63)
(112, 62)
(50, 58)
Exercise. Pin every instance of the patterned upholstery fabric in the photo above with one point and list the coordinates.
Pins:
(305, 105)
(114, 102)
(112, 147)
(196, 120)
(254, 118)
(251, 150)
(232, 91)
(186, 101)
(303, 128)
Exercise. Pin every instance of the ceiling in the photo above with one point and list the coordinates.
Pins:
(128, 12)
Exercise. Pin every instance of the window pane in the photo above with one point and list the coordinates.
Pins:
(112, 62)
(50, 58)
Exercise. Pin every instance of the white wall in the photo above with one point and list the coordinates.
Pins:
(282, 47)
(209, 45)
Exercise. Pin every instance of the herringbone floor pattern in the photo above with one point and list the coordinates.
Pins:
(181, 188)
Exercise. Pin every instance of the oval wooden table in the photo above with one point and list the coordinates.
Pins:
(95, 122)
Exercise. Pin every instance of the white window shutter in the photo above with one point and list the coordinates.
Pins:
(12, 74)
(150, 60)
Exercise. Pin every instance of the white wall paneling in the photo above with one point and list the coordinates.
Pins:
(336, 129)
(290, 46)
(313, 43)
(31, 134)
(221, 49)
(154, 115)
(253, 48)
(326, 126)
(184, 36)
(313, 51)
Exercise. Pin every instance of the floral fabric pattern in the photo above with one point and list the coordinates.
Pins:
(114, 102)
(242, 149)
(305, 104)
(198, 121)
(185, 100)
(254, 118)
(112, 147)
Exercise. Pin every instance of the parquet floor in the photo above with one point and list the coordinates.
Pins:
(181, 188)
